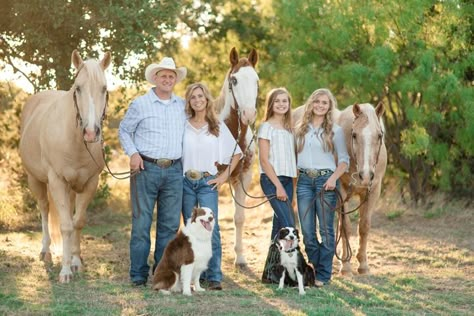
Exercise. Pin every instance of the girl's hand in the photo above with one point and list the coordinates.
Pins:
(281, 193)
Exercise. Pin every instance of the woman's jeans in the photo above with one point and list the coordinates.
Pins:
(283, 215)
(199, 193)
(154, 185)
(320, 253)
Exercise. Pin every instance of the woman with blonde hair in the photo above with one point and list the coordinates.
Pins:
(206, 143)
(319, 141)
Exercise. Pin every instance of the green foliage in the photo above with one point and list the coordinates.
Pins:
(44, 33)
(415, 56)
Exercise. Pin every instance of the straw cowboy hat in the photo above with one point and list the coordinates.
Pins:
(165, 63)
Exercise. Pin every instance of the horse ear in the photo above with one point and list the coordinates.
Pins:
(253, 57)
(76, 59)
(234, 56)
(105, 62)
(380, 109)
(356, 109)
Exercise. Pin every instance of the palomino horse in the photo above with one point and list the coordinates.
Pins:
(364, 133)
(62, 155)
(237, 106)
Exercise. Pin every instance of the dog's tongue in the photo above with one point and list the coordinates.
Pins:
(207, 225)
(288, 244)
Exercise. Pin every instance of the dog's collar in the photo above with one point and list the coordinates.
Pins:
(290, 251)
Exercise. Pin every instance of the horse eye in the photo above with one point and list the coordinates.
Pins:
(104, 89)
(78, 89)
(354, 136)
(233, 80)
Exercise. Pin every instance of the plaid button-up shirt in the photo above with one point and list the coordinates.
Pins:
(153, 128)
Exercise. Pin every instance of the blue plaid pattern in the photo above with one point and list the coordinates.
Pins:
(153, 128)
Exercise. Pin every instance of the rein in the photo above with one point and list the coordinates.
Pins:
(233, 80)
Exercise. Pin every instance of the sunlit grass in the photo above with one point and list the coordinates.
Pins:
(418, 266)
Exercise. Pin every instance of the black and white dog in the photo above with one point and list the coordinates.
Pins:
(292, 261)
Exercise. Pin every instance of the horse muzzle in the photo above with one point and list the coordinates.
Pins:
(91, 136)
(248, 116)
(365, 177)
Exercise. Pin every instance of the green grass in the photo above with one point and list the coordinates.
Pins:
(419, 266)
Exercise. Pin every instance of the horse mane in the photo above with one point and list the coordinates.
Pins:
(220, 101)
(94, 70)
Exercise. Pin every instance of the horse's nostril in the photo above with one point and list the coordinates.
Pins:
(361, 175)
(372, 175)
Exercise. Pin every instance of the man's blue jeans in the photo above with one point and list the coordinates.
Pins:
(154, 185)
(199, 193)
(283, 215)
(320, 253)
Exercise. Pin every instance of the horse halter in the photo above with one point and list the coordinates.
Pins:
(354, 181)
(233, 82)
(79, 120)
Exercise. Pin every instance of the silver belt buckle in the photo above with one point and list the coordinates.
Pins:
(164, 163)
(313, 173)
(194, 174)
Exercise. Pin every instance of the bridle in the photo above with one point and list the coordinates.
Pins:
(79, 120)
(232, 82)
(353, 175)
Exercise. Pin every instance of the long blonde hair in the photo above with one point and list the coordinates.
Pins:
(270, 100)
(327, 134)
(211, 116)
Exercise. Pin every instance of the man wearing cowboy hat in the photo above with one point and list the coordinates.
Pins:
(151, 135)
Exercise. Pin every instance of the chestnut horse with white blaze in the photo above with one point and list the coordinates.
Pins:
(236, 105)
(61, 153)
(364, 134)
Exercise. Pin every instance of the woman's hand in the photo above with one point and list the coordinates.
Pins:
(221, 179)
(330, 183)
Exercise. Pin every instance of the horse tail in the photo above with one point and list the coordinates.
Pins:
(54, 226)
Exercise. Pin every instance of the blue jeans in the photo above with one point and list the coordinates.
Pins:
(151, 186)
(320, 253)
(282, 211)
(199, 193)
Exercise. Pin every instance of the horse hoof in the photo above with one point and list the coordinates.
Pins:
(46, 257)
(241, 266)
(363, 271)
(346, 273)
(65, 278)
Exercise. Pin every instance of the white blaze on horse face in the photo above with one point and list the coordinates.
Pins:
(246, 93)
(367, 150)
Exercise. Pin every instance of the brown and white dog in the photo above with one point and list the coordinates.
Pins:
(292, 261)
(187, 255)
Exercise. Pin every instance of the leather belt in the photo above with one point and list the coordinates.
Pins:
(196, 175)
(160, 162)
(314, 173)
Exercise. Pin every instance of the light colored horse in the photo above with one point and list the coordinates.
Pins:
(62, 155)
(364, 134)
(237, 107)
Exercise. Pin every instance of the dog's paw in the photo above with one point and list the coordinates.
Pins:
(187, 293)
(199, 289)
(165, 292)
(280, 288)
(302, 292)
